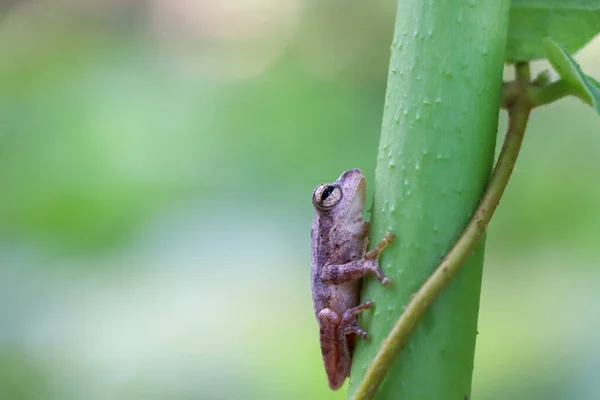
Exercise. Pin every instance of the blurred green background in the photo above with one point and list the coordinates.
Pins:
(157, 159)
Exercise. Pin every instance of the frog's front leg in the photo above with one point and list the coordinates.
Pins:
(353, 270)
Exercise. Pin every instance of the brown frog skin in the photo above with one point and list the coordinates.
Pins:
(338, 260)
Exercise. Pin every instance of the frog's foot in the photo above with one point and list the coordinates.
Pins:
(337, 274)
(372, 266)
(371, 258)
(349, 324)
(387, 239)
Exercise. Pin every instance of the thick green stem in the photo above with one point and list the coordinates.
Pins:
(391, 346)
(434, 161)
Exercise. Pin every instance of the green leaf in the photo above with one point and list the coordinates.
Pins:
(570, 22)
(569, 70)
(593, 81)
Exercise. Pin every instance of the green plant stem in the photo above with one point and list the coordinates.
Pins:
(391, 346)
(434, 161)
(522, 74)
(543, 95)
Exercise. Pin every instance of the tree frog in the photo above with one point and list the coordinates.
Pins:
(338, 260)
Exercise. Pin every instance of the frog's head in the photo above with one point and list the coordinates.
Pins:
(344, 199)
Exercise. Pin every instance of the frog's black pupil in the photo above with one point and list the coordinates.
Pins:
(327, 192)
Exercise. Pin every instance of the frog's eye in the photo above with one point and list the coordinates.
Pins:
(326, 196)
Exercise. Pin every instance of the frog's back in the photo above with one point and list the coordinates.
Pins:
(332, 245)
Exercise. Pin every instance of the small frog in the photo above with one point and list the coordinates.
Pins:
(338, 260)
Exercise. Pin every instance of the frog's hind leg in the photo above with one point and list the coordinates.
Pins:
(335, 347)
(349, 323)
(335, 355)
